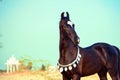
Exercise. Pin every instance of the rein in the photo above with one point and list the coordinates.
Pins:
(71, 65)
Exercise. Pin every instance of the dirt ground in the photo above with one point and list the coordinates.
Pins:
(40, 75)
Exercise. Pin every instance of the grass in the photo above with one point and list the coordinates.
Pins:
(40, 75)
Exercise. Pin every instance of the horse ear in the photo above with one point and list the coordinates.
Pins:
(67, 14)
(62, 15)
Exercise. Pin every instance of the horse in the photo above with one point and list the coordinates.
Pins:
(76, 62)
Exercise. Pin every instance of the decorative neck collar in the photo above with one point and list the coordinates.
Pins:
(71, 65)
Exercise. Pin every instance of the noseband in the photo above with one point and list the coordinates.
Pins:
(71, 65)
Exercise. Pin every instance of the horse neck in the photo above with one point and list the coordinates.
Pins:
(68, 50)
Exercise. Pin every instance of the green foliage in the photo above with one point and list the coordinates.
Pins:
(43, 68)
(25, 64)
(29, 66)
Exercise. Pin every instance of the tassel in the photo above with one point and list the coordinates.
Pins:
(70, 67)
(79, 55)
(78, 59)
(61, 69)
(66, 69)
(74, 65)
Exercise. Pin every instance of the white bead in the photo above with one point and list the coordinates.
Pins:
(77, 62)
(79, 55)
(74, 65)
(58, 67)
(70, 67)
(78, 59)
(66, 69)
(61, 69)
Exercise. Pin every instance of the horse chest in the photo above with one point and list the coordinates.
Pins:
(90, 64)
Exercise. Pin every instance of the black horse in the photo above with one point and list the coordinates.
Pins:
(76, 62)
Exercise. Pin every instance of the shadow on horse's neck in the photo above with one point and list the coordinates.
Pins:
(68, 50)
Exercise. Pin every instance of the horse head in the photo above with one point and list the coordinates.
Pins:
(67, 28)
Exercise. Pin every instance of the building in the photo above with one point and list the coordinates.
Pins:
(12, 64)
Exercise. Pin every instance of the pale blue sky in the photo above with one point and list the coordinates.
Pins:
(31, 27)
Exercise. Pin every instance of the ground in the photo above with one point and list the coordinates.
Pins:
(39, 75)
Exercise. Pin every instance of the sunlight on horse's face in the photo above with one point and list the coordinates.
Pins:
(68, 28)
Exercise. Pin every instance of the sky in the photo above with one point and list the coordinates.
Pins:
(31, 27)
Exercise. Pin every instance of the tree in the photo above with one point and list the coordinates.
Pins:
(28, 63)
(25, 64)
(43, 68)
(29, 66)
